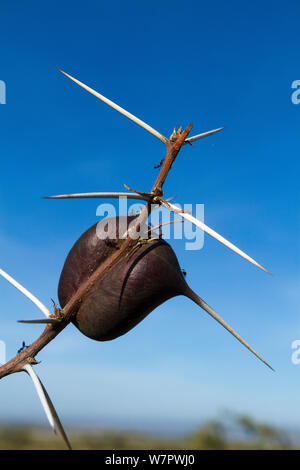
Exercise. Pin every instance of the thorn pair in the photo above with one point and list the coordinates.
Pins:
(171, 207)
(49, 316)
(41, 391)
(138, 121)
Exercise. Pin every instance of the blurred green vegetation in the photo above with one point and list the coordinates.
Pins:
(240, 432)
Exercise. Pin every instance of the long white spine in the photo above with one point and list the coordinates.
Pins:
(27, 294)
(47, 404)
(211, 232)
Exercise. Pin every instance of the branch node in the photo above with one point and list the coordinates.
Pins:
(175, 134)
(32, 361)
(146, 195)
(57, 312)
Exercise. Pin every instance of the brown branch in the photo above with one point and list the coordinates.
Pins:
(69, 311)
(173, 149)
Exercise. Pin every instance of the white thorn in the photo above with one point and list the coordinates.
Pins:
(99, 195)
(211, 232)
(46, 403)
(52, 321)
(118, 108)
(222, 322)
(28, 294)
(202, 136)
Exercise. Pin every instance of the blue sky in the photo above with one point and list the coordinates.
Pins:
(170, 64)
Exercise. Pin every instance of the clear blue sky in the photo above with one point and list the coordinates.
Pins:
(170, 63)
